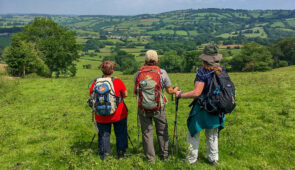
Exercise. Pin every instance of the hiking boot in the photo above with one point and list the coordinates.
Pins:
(120, 155)
(213, 163)
(102, 157)
(164, 159)
(194, 163)
(152, 161)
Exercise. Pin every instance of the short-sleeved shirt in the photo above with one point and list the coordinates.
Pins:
(205, 76)
(165, 80)
(121, 111)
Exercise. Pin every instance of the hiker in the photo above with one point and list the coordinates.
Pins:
(113, 111)
(202, 119)
(150, 82)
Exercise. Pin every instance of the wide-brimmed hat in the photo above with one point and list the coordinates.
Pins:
(211, 56)
(151, 55)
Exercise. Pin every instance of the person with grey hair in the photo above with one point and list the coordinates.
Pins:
(199, 118)
(150, 82)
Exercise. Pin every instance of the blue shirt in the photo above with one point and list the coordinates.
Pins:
(205, 76)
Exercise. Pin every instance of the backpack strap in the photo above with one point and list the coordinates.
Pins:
(207, 74)
(92, 81)
(120, 98)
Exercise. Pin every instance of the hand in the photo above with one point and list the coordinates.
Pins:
(177, 93)
(175, 89)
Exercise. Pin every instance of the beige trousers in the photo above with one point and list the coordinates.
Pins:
(146, 121)
(212, 145)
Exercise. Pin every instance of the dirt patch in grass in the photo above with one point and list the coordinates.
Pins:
(3, 67)
(8, 78)
(231, 46)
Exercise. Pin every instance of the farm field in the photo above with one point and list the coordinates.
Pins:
(189, 24)
(46, 124)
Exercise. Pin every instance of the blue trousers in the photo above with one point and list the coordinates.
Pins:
(104, 134)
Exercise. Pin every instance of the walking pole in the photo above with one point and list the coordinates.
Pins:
(130, 141)
(175, 126)
(96, 128)
(92, 139)
(137, 119)
(94, 123)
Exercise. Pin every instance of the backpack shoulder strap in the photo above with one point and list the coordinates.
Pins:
(92, 82)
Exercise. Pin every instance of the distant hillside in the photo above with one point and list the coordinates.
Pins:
(231, 26)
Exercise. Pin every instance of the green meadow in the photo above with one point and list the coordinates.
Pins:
(46, 124)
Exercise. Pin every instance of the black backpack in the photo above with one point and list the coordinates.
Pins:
(220, 98)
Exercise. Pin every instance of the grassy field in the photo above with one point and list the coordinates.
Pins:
(46, 124)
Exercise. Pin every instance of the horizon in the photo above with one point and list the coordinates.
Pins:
(40, 14)
(132, 7)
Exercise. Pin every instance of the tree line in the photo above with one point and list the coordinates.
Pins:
(252, 57)
(48, 49)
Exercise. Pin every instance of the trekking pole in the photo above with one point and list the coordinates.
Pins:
(95, 125)
(137, 122)
(95, 128)
(92, 139)
(175, 126)
(130, 141)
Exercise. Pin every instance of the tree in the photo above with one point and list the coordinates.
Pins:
(253, 57)
(1, 51)
(171, 62)
(125, 62)
(57, 45)
(283, 51)
(93, 44)
(22, 58)
(190, 60)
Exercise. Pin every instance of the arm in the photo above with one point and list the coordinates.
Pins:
(170, 90)
(124, 94)
(123, 90)
(199, 86)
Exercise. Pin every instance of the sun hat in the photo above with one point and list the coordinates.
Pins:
(211, 56)
(151, 55)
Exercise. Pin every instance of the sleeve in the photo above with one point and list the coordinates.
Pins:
(91, 88)
(199, 76)
(122, 85)
(166, 79)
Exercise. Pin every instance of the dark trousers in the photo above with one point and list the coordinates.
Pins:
(104, 134)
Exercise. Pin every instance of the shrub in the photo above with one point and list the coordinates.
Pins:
(253, 57)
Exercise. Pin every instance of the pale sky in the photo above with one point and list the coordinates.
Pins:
(131, 7)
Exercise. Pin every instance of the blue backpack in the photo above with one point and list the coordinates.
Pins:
(103, 100)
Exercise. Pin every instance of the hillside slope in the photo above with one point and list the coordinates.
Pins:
(201, 23)
(46, 124)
